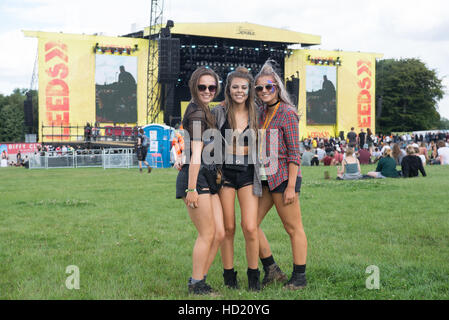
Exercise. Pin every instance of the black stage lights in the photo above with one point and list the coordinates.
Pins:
(114, 50)
(324, 61)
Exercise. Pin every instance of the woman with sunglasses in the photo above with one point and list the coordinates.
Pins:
(237, 121)
(281, 177)
(198, 180)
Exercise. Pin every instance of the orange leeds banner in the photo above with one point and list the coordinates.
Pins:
(57, 99)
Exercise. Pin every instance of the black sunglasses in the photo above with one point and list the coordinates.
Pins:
(269, 87)
(202, 87)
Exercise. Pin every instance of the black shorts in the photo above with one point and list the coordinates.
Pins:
(142, 153)
(204, 184)
(238, 179)
(281, 188)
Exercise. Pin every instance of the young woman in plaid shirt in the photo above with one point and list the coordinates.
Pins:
(281, 177)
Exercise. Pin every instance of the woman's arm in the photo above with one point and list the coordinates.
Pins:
(194, 169)
(291, 136)
(290, 194)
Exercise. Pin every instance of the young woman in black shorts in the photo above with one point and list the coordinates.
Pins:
(237, 121)
(198, 181)
(281, 178)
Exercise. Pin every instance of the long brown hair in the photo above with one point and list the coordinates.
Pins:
(193, 85)
(396, 151)
(250, 104)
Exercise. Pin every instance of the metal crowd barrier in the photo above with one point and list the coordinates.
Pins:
(106, 159)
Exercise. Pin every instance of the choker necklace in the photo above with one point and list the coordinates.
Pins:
(272, 105)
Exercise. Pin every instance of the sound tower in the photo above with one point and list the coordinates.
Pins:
(169, 59)
(293, 90)
(28, 110)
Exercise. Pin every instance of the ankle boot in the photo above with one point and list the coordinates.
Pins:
(253, 280)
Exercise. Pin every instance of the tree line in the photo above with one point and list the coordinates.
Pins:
(12, 117)
(407, 95)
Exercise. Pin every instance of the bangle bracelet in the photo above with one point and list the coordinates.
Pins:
(190, 190)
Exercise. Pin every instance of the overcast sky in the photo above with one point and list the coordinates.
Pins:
(396, 28)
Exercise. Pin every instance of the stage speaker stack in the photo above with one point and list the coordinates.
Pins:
(169, 59)
(293, 90)
(169, 68)
(28, 111)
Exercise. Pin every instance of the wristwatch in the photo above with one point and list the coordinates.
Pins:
(191, 190)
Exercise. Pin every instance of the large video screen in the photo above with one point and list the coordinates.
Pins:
(321, 86)
(116, 88)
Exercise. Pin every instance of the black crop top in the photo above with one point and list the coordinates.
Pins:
(226, 126)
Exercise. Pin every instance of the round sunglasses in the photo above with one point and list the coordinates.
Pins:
(269, 87)
(202, 87)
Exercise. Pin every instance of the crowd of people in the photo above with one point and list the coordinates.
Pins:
(387, 151)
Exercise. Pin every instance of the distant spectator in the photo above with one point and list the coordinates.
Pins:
(376, 155)
(352, 138)
(443, 154)
(143, 143)
(315, 160)
(350, 169)
(386, 167)
(423, 154)
(328, 159)
(369, 139)
(338, 156)
(26, 162)
(411, 163)
(87, 132)
(321, 153)
(361, 138)
(307, 157)
(398, 154)
(364, 155)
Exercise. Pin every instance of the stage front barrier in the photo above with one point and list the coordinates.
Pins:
(119, 158)
(106, 159)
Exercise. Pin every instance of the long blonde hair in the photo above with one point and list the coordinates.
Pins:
(193, 85)
(250, 104)
(268, 69)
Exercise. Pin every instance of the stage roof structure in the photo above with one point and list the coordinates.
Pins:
(243, 31)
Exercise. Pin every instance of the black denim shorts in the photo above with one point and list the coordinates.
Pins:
(281, 188)
(204, 185)
(237, 179)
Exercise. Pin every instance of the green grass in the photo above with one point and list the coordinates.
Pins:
(131, 238)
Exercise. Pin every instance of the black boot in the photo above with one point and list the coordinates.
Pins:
(273, 274)
(253, 280)
(200, 288)
(297, 281)
(230, 279)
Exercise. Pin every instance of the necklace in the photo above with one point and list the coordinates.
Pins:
(272, 105)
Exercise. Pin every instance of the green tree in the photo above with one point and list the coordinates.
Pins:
(409, 92)
(12, 117)
(444, 124)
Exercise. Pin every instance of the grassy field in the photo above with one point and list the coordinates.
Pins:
(131, 239)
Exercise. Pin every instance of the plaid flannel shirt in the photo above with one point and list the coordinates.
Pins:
(286, 121)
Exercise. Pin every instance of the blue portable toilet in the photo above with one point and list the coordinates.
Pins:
(160, 136)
